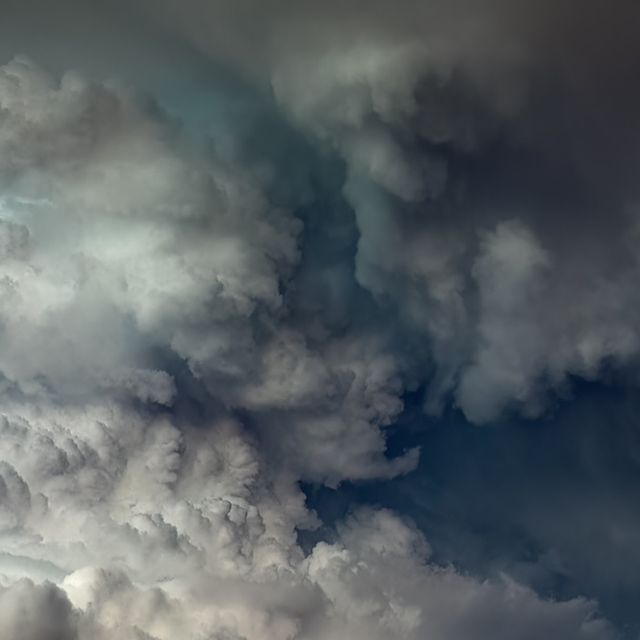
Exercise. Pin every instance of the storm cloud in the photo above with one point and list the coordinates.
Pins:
(234, 240)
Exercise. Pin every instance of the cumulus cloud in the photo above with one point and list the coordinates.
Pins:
(442, 154)
(129, 246)
(450, 122)
(191, 325)
(370, 583)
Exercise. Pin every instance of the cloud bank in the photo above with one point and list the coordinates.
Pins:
(195, 319)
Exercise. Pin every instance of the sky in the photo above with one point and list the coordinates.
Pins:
(319, 320)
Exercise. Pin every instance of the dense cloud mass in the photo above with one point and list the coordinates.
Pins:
(233, 239)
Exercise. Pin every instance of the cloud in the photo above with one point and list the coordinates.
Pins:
(150, 248)
(128, 250)
(433, 112)
(194, 322)
(438, 602)
(439, 153)
(371, 583)
(36, 612)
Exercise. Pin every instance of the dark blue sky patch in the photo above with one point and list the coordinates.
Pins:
(552, 502)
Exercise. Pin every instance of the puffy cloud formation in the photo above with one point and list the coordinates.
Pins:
(195, 321)
(468, 134)
(369, 584)
(165, 251)
(450, 124)
(162, 398)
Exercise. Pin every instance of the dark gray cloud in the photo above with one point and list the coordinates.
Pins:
(472, 137)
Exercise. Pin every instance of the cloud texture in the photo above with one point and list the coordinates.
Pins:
(199, 313)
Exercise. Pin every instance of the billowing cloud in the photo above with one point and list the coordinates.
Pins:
(201, 312)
